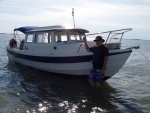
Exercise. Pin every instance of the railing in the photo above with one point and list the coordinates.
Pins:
(111, 34)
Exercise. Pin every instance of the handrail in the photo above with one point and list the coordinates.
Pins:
(114, 32)
(113, 36)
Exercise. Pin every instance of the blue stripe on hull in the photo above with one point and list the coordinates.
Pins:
(70, 59)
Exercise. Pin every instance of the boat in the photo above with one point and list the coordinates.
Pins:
(60, 50)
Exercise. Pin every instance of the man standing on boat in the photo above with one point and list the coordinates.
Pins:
(99, 61)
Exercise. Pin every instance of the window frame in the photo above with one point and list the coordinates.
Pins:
(28, 37)
(49, 39)
(77, 33)
(59, 36)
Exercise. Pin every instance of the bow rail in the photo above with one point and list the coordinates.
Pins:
(111, 34)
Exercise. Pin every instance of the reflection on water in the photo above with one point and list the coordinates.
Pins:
(32, 91)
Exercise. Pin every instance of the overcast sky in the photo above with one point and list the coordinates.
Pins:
(93, 15)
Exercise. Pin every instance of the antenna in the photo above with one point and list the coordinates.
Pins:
(26, 22)
(73, 16)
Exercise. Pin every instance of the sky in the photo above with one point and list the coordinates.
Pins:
(93, 15)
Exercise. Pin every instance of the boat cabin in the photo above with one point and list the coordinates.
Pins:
(57, 37)
(37, 38)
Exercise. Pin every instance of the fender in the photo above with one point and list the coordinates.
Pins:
(12, 43)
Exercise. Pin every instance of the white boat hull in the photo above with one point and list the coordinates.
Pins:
(70, 65)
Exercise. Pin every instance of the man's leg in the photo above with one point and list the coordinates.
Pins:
(98, 78)
(98, 84)
(90, 78)
(91, 82)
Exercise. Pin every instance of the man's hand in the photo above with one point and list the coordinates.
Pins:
(102, 72)
(84, 39)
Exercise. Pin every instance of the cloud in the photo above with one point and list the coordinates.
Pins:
(95, 15)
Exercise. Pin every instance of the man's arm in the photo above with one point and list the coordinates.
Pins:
(104, 65)
(86, 45)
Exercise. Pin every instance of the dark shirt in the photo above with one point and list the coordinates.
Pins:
(98, 56)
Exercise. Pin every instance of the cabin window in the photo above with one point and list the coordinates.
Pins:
(42, 38)
(61, 36)
(30, 38)
(74, 35)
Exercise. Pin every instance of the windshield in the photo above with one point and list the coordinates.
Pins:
(75, 35)
(68, 35)
(61, 36)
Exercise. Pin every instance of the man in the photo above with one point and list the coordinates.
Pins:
(99, 61)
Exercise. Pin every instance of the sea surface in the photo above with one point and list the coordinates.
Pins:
(27, 90)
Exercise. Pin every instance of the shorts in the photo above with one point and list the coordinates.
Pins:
(95, 75)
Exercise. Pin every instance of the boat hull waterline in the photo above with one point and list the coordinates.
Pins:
(70, 65)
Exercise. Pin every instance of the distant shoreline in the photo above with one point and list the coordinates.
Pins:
(7, 33)
(113, 38)
(134, 39)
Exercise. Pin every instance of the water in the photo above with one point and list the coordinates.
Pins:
(27, 90)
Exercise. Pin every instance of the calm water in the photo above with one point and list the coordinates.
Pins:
(26, 90)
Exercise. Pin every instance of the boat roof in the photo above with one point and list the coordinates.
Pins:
(30, 29)
(25, 28)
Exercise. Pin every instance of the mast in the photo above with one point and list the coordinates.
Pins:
(73, 16)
